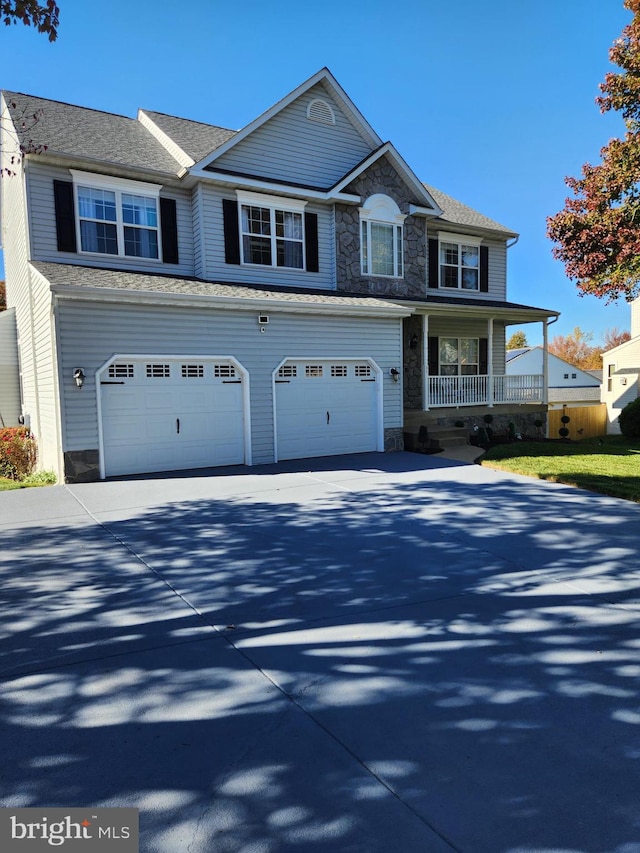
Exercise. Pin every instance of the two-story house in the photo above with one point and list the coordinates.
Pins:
(191, 296)
(621, 373)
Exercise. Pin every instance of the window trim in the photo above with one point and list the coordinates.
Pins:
(272, 203)
(458, 363)
(380, 209)
(460, 240)
(117, 186)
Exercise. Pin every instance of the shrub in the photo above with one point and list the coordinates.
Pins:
(17, 453)
(40, 478)
(629, 419)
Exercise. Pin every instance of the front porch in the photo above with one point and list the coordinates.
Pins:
(489, 390)
(448, 426)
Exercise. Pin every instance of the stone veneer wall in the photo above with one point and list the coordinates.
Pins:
(381, 177)
(393, 439)
(523, 420)
(81, 466)
(413, 366)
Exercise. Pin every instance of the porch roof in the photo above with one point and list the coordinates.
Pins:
(511, 312)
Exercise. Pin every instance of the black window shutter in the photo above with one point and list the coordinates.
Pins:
(231, 231)
(483, 367)
(65, 216)
(433, 355)
(169, 226)
(433, 263)
(311, 241)
(484, 269)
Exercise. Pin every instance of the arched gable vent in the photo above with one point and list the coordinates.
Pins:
(321, 111)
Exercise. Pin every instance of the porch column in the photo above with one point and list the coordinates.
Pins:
(425, 362)
(490, 362)
(545, 364)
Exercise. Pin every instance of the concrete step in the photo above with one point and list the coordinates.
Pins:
(438, 437)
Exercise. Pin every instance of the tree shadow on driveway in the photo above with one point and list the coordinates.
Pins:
(425, 666)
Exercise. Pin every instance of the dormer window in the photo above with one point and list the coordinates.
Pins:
(116, 217)
(381, 237)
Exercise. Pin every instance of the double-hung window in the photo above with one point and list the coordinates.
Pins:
(271, 230)
(117, 217)
(459, 356)
(459, 262)
(381, 237)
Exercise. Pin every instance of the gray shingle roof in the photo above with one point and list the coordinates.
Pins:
(559, 394)
(86, 133)
(196, 139)
(72, 275)
(457, 213)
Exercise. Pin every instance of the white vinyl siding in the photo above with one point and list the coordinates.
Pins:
(440, 327)
(44, 341)
(289, 147)
(40, 179)
(93, 332)
(218, 270)
(9, 370)
(625, 380)
(635, 318)
(30, 295)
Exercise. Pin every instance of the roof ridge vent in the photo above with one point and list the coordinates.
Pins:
(321, 111)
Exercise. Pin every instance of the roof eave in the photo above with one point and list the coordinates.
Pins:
(107, 167)
(237, 303)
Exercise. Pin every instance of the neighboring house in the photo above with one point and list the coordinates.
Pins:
(191, 296)
(568, 384)
(621, 373)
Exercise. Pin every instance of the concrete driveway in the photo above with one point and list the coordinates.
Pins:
(366, 653)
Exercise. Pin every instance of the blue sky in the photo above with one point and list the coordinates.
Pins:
(492, 102)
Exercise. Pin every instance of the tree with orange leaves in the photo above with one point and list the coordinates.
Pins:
(597, 233)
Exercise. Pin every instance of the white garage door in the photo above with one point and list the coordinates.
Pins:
(325, 408)
(171, 414)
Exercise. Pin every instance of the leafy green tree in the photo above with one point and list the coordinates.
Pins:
(597, 233)
(43, 16)
(517, 340)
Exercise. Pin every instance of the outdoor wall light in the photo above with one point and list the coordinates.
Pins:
(413, 341)
(78, 377)
(395, 374)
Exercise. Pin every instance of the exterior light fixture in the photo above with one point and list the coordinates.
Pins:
(395, 374)
(78, 377)
(413, 341)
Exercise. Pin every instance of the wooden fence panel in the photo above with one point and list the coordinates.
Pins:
(586, 421)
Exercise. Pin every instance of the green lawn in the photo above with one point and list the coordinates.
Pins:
(39, 478)
(7, 485)
(610, 465)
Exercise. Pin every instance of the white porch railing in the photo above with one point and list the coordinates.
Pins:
(474, 390)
